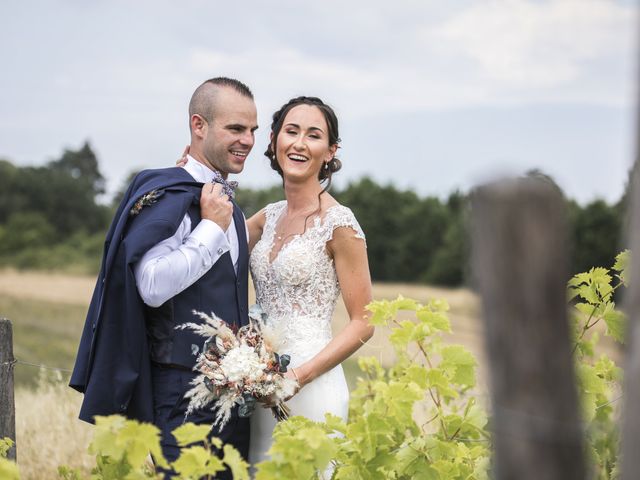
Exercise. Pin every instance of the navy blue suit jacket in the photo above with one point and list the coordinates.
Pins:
(112, 367)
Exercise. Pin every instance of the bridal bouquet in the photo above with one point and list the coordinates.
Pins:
(239, 368)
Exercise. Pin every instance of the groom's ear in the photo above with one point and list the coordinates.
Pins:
(198, 125)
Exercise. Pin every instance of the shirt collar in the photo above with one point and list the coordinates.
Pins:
(199, 171)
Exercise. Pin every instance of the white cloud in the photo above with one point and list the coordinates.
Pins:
(495, 53)
(528, 47)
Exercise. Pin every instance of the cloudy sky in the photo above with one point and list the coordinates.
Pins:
(431, 95)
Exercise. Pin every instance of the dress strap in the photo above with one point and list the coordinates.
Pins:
(272, 212)
(341, 216)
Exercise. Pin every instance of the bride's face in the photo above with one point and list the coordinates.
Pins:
(302, 147)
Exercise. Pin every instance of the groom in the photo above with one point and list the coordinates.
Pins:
(178, 243)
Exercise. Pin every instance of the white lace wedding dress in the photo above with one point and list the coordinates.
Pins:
(298, 291)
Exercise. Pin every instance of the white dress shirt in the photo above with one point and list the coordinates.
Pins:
(178, 262)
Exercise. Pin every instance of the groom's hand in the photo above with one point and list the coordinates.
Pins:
(215, 205)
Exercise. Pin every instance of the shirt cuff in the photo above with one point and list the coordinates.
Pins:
(209, 234)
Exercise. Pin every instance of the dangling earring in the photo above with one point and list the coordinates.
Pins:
(326, 165)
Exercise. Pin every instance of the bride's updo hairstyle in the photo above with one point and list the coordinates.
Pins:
(334, 164)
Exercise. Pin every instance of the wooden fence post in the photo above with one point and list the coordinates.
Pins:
(519, 258)
(7, 402)
(631, 406)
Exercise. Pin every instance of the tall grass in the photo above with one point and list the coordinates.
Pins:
(48, 431)
(43, 333)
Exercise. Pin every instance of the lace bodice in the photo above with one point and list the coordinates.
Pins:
(299, 289)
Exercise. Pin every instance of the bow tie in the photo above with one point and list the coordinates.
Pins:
(228, 187)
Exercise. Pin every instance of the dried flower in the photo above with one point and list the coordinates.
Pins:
(239, 369)
(147, 199)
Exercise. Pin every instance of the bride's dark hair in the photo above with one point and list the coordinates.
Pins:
(334, 164)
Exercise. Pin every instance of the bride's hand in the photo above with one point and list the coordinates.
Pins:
(270, 402)
(291, 374)
(181, 162)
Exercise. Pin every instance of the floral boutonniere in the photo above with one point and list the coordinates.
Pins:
(146, 199)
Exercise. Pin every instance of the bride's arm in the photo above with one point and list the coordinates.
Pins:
(255, 225)
(350, 259)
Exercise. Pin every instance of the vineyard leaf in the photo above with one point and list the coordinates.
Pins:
(607, 369)
(417, 374)
(371, 366)
(600, 275)
(136, 475)
(335, 423)
(589, 380)
(446, 469)
(436, 320)
(189, 433)
(403, 334)
(438, 380)
(458, 359)
(621, 265)
(5, 445)
(481, 468)
(68, 473)
(140, 439)
(579, 279)
(477, 417)
(105, 436)
(8, 470)
(367, 432)
(270, 470)
(588, 293)
(439, 305)
(323, 447)
(413, 463)
(239, 468)
(347, 472)
(589, 404)
(195, 462)
(402, 303)
(616, 325)
(381, 311)
(585, 308)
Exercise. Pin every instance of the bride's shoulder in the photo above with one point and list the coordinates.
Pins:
(341, 222)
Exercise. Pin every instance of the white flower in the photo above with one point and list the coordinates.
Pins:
(242, 365)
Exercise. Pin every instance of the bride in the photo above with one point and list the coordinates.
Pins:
(305, 251)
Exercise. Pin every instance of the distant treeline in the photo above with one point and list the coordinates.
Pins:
(50, 219)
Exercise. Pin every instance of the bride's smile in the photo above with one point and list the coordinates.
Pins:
(302, 145)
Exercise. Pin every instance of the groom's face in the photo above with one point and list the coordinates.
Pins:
(230, 135)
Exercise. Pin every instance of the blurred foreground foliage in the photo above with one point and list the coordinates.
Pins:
(53, 218)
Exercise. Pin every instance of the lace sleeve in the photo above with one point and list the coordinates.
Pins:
(341, 216)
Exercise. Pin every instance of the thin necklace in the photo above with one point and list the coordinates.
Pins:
(290, 221)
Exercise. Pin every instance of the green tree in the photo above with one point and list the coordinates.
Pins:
(596, 233)
(82, 165)
(252, 201)
(449, 264)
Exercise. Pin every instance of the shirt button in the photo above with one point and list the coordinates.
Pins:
(220, 250)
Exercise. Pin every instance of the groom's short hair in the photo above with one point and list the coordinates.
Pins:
(202, 101)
